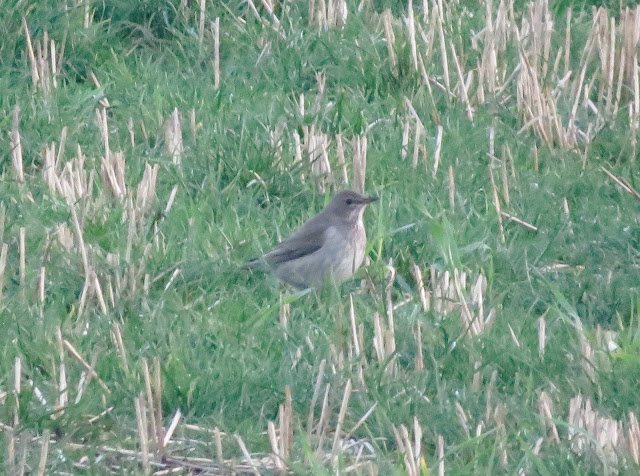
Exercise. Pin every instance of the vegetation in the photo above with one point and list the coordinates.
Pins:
(150, 148)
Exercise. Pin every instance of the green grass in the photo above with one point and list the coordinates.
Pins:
(225, 358)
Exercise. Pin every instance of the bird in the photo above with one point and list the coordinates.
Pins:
(331, 245)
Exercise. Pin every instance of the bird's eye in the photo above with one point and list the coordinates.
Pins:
(349, 201)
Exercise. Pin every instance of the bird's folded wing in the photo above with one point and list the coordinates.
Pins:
(306, 241)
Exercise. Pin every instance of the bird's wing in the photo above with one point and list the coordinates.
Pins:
(305, 241)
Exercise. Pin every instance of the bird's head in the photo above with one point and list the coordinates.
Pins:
(349, 204)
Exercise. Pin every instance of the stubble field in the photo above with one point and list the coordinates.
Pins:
(149, 149)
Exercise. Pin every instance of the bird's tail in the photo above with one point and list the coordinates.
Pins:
(254, 263)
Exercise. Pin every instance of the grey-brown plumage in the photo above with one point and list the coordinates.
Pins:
(330, 245)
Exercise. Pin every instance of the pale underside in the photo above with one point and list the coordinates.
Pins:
(338, 258)
(330, 246)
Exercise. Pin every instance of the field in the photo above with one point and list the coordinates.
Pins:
(150, 148)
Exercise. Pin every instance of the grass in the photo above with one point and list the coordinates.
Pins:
(495, 328)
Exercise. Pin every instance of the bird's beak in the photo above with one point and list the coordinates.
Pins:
(371, 199)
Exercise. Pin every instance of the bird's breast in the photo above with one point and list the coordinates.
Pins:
(349, 253)
(340, 255)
